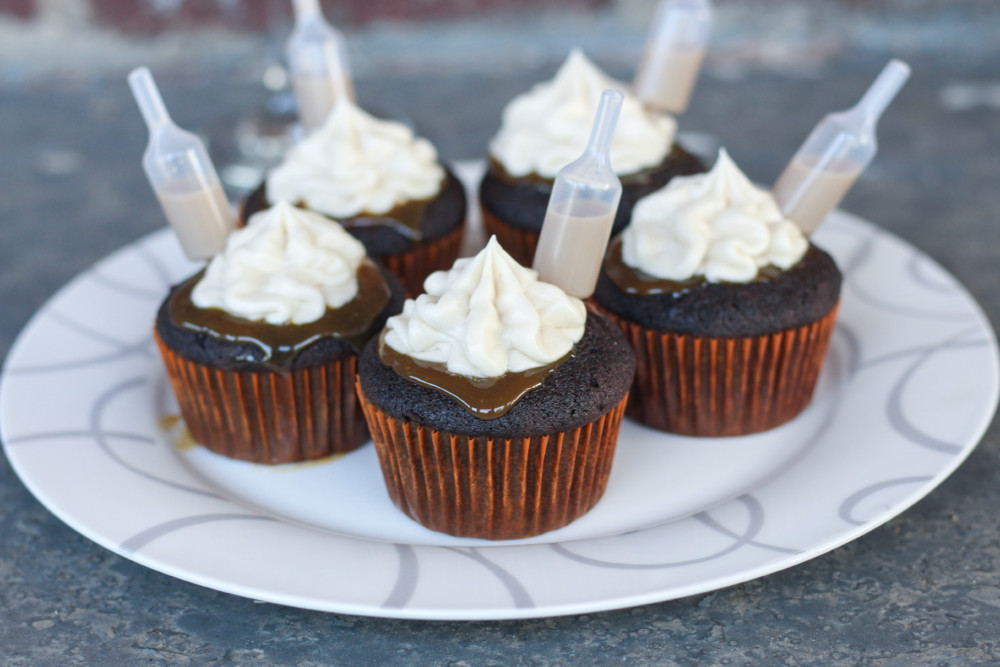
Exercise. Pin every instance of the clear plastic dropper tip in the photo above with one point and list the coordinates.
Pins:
(835, 153)
(884, 89)
(582, 209)
(606, 120)
(181, 174)
(147, 96)
(305, 8)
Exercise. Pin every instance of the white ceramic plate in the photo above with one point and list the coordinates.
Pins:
(89, 424)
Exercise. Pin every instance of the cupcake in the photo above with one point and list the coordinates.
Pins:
(494, 401)
(546, 128)
(261, 346)
(383, 184)
(728, 307)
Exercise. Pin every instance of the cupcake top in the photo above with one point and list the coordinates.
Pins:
(357, 164)
(486, 317)
(292, 290)
(546, 128)
(717, 226)
(287, 266)
(490, 350)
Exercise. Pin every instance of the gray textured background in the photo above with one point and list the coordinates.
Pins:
(925, 588)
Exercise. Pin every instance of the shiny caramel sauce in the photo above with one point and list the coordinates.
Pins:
(635, 281)
(281, 343)
(178, 432)
(484, 398)
(405, 219)
(296, 466)
(638, 178)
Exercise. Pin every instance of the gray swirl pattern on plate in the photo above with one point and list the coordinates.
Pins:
(902, 320)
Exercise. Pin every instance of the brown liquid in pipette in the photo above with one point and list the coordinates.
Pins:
(315, 96)
(201, 218)
(571, 249)
(824, 191)
(665, 80)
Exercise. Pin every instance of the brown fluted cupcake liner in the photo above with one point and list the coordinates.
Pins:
(701, 386)
(269, 417)
(423, 259)
(519, 243)
(493, 488)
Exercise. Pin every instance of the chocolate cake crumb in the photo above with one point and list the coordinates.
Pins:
(798, 296)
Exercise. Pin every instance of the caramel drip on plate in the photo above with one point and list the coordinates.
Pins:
(484, 398)
(638, 282)
(281, 343)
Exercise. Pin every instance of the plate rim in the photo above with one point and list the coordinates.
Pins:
(545, 610)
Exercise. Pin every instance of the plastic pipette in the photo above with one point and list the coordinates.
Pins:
(182, 175)
(673, 54)
(317, 61)
(836, 152)
(582, 209)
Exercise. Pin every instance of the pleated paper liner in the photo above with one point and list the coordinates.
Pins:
(519, 243)
(269, 417)
(423, 259)
(493, 488)
(702, 386)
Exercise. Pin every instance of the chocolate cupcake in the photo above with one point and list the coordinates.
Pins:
(379, 181)
(546, 129)
(494, 401)
(728, 307)
(261, 347)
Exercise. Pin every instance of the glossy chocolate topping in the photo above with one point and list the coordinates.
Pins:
(351, 323)
(484, 398)
(638, 282)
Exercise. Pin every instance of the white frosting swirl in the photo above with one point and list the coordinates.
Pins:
(546, 128)
(718, 225)
(355, 163)
(286, 266)
(487, 316)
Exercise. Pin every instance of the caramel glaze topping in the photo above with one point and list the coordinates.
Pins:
(405, 219)
(351, 323)
(640, 283)
(484, 398)
(639, 178)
